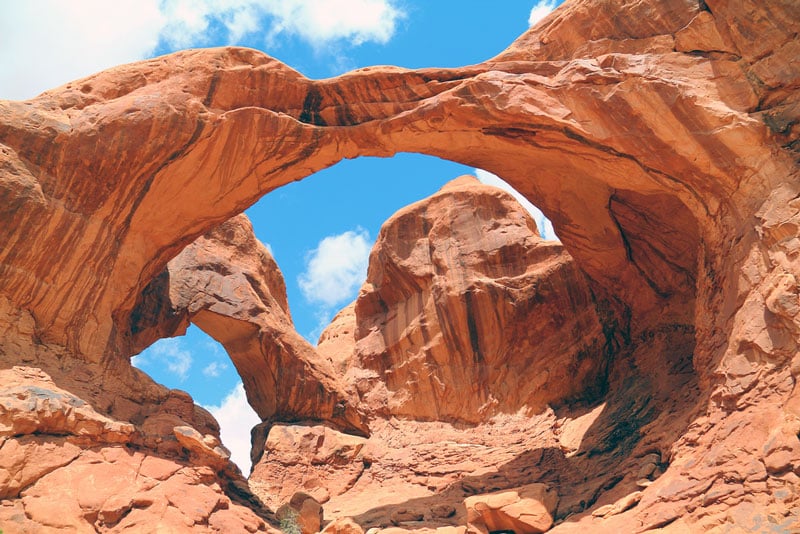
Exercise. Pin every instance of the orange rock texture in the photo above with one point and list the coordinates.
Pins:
(661, 137)
(67, 467)
(492, 403)
(228, 284)
(466, 312)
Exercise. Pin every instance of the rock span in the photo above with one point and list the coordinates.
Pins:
(228, 284)
(660, 137)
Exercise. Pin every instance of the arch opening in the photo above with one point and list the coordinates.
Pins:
(616, 424)
(155, 316)
(198, 364)
(666, 169)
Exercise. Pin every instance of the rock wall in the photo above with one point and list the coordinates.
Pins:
(86, 449)
(477, 352)
(467, 313)
(611, 136)
(660, 137)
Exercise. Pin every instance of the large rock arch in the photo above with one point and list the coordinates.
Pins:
(663, 148)
(131, 164)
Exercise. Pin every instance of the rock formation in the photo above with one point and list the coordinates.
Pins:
(64, 466)
(660, 137)
(435, 336)
(228, 284)
(466, 312)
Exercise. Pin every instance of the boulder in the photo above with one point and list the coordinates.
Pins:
(301, 515)
(525, 510)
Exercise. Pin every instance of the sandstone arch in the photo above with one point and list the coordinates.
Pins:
(664, 150)
(227, 284)
(240, 124)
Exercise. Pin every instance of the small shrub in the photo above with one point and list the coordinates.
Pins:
(288, 523)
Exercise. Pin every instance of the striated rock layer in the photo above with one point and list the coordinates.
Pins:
(660, 137)
(466, 313)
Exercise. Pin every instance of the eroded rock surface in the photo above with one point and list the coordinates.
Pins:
(577, 436)
(66, 467)
(316, 460)
(527, 510)
(228, 284)
(466, 313)
(660, 137)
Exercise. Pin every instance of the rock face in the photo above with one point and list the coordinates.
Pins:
(451, 279)
(66, 467)
(466, 312)
(316, 460)
(660, 137)
(527, 510)
(228, 284)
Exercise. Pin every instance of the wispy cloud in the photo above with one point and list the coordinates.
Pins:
(317, 22)
(139, 361)
(336, 268)
(322, 21)
(47, 43)
(541, 10)
(323, 317)
(180, 365)
(214, 369)
(333, 274)
(170, 353)
(543, 224)
(236, 418)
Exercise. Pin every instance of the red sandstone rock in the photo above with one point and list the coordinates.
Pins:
(316, 460)
(302, 514)
(228, 284)
(525, 510)
(344, 525)
(63, 466)
(416, 476)
(662, 143)
(29, 407)
(467, 313)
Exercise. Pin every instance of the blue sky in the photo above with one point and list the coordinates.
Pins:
(320, 230)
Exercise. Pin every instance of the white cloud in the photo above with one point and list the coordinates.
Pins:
(214, 369)
(543, 224)
(321, 21)
(541, 10)
(211, 345)
(46, 43)
(236, 418)
(336, 268)
(324, 317)
(169, 352)
(139, 361)
(180, 365)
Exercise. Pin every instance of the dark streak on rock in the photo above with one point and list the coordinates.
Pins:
(629, 253)
(311, 108)
(474, 339)
(212, 89)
